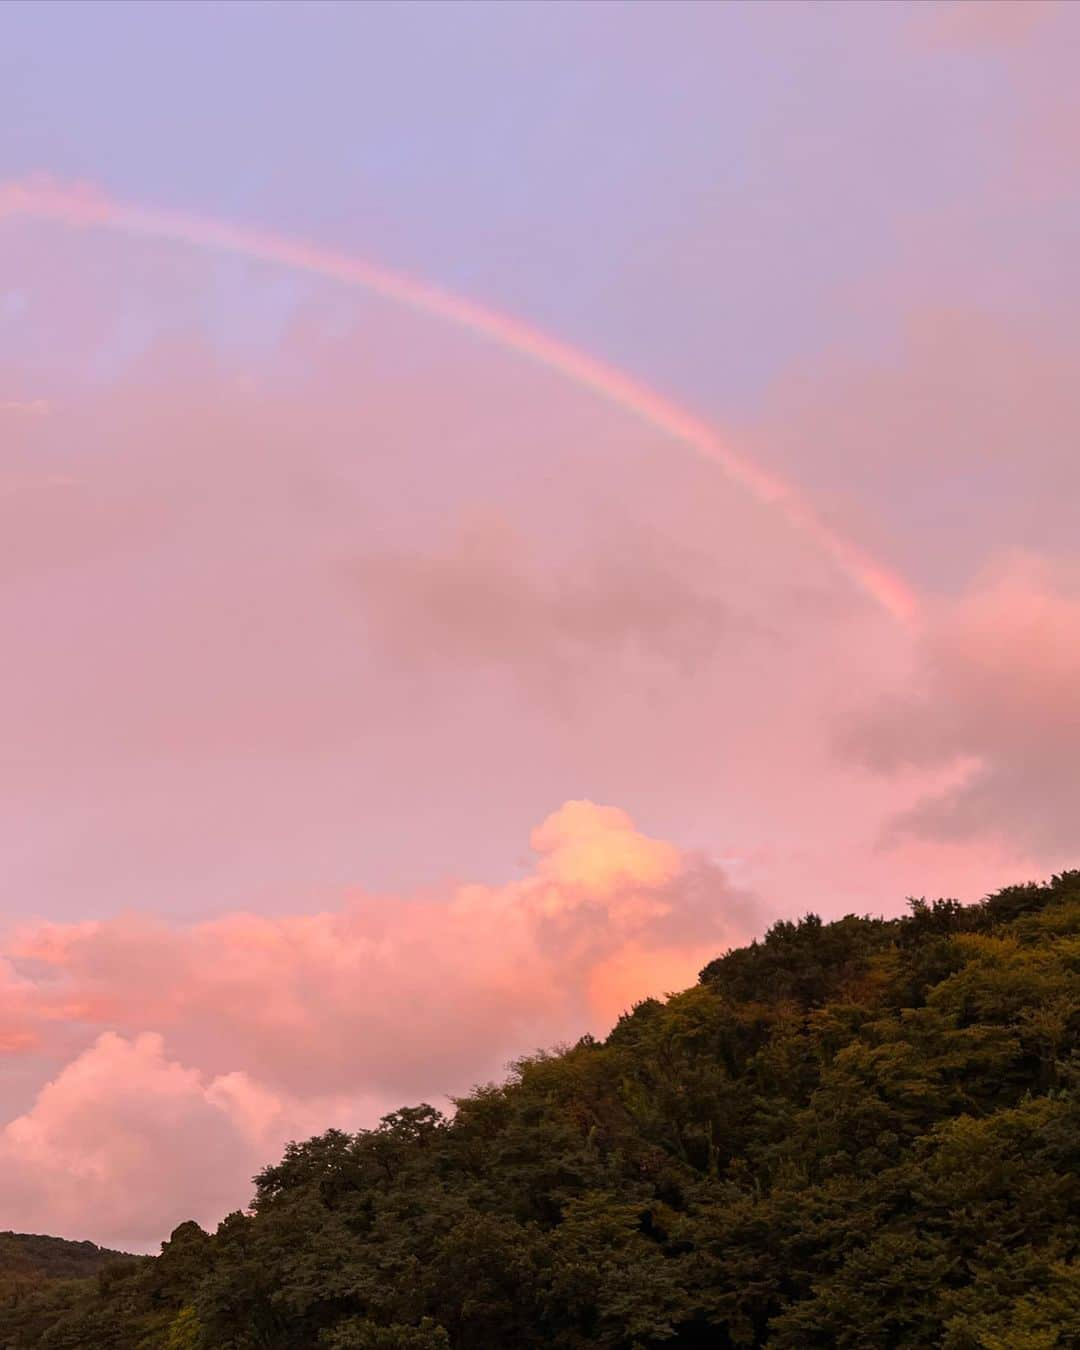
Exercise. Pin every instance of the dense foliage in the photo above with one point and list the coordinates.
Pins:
(863, 1133)
(43, 1272)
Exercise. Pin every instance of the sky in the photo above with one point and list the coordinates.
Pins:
(380, 703)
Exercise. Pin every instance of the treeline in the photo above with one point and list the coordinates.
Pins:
(855, 1134)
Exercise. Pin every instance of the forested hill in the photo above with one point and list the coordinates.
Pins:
(858, 1134)
(30, 1257)
(30, 1263)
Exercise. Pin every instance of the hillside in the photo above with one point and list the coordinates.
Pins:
(858, 1134)
(43, 1273)
(33, 1256)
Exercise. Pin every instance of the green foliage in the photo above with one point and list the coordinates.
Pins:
(360, 1334)
(185, 1331)
(855, 1134)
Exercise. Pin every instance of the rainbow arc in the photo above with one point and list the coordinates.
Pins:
(90, 209)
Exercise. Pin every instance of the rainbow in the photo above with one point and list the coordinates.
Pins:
(86, 207)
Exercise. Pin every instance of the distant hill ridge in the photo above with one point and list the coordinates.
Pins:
(862, 1134)
(53, 1258)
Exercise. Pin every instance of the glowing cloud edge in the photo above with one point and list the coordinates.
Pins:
(88, 207)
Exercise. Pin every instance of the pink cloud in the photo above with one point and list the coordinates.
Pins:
(484, 596)
(37, 407)
(208, 1043)
(395, 989)
(995, 690)
(127, 1142)
(17, 1021)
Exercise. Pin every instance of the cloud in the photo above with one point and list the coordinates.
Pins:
(126, 1142)
(401, 994)
(994, 691)
(37, 407)
(123, 1140)
(484, 597)
(17, 1020)
(205, 1045)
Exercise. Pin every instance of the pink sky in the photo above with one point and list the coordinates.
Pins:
(379, 705)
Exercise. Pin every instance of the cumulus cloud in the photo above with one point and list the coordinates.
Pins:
(206, 1045)
(127, 1142)
(994, 692)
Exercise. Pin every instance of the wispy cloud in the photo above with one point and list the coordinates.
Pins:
(37, 407)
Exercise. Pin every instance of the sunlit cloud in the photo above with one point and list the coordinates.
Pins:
(214, 1042)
